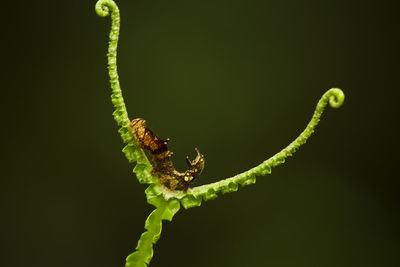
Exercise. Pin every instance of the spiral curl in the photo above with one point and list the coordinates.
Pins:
(336, 97)
(103, 7)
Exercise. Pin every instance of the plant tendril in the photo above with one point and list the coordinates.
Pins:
(166, 201)
(131, 151)
(194, 197)
(103, 8)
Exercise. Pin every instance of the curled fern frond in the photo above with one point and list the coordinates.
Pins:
(132, 152)
(167, 201)
(194, 196)
(104, 8)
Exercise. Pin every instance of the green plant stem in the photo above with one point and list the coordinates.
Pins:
(142, 170)
(144, 250)
(334, 96)
(103, 9)
(194, 196)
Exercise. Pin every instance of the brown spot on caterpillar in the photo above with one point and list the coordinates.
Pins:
(161, 157)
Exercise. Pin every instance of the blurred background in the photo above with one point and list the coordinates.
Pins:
(238, 79)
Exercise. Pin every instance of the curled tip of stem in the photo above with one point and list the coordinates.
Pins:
(336, 97)
(103, 7)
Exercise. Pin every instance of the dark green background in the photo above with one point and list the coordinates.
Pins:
(237, 79)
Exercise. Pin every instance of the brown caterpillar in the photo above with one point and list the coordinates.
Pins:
(161, 157)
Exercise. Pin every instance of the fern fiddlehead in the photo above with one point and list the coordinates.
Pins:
(334, 97)
(165, 210)
(166, 201)
(105, 8)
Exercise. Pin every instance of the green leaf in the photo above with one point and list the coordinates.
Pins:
(143, 173)
(154, 195)
(132, 153)
(190, 201)
(135, 260)
(173, 207)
